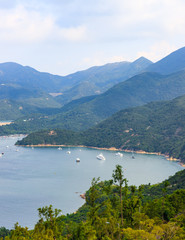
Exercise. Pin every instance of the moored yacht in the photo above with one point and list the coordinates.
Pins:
(119, 154)
(100, 157)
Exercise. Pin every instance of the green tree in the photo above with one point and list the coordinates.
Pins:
(47, 224)
(119, 178)
(92, 200)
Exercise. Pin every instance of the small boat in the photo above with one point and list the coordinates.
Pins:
(119, 154)
(68, 152)
(100, 157)
(78, 160)
(59, 148)
(133, 155)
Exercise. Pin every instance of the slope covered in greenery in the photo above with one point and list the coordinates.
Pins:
(96, 80)
(31, 87)
(101, 78)
(155, 127)
(113, 210)
(27, 77)
(24, 108)
(82, 114)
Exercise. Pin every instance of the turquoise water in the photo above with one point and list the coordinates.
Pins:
(33, 178)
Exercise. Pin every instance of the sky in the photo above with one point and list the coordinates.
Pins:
(65, 36)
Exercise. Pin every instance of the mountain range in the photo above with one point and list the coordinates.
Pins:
(97, 80)
(88, 111)
(24, 85)
(84, 113)
(83, 83)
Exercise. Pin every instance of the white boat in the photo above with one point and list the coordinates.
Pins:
(59, 148)
(100, 157)
(78, 160)
(68, 152)
(119, 154)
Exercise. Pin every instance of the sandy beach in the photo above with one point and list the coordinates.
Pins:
(5, 123)
(112, 149)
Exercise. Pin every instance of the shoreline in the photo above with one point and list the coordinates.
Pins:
(14, 135)
(5, 123)
(111, 149)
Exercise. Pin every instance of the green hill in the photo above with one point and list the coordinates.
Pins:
(72, 86)
(113, 210)
(96, 80)
(138, 90)
(27, 77)
(175, 182)
(155, 127)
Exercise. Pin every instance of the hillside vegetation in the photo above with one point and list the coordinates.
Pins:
(113, 210)
(82, 114)
(96, 80)
(155, 127)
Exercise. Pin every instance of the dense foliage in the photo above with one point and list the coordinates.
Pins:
(102, 216)
(98, 79)
(138, 90)
(155, 127)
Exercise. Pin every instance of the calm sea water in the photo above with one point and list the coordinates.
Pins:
(33, 178)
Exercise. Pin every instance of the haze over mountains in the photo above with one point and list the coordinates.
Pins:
(97, 80)
(83, 83)
(174, 62)
(137, 90)
(31, 90)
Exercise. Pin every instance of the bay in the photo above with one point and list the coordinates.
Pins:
(33, 178)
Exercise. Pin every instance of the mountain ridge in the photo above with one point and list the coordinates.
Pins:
(173, 62)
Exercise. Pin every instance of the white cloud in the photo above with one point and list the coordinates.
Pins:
(19, 25)
(73, 34)
(23, 26)
(79, 33)
(99, 59)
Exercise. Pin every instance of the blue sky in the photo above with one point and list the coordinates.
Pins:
(64, 36)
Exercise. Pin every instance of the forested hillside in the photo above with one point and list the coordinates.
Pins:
(96, 80)
(155, 127)
(113, 210)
